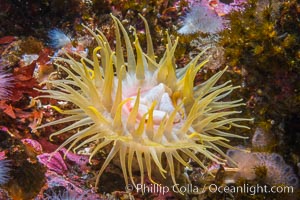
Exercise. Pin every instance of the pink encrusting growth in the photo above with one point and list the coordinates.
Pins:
(223, 8)
(144, 111)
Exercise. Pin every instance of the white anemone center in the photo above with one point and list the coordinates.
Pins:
(159, 94)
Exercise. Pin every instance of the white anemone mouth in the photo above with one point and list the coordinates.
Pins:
(160, 97)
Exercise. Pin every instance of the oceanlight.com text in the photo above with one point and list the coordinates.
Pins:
(212, 188)
(251, 189)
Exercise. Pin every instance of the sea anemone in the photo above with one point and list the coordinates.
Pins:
(4, 171)
(5, 83)
(144, 110)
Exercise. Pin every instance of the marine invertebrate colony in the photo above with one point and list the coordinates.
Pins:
(58, 38)
(278, 172)
(5, 84)
(4, 171)
(201, 18)
(150, 111)
(63, 195)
